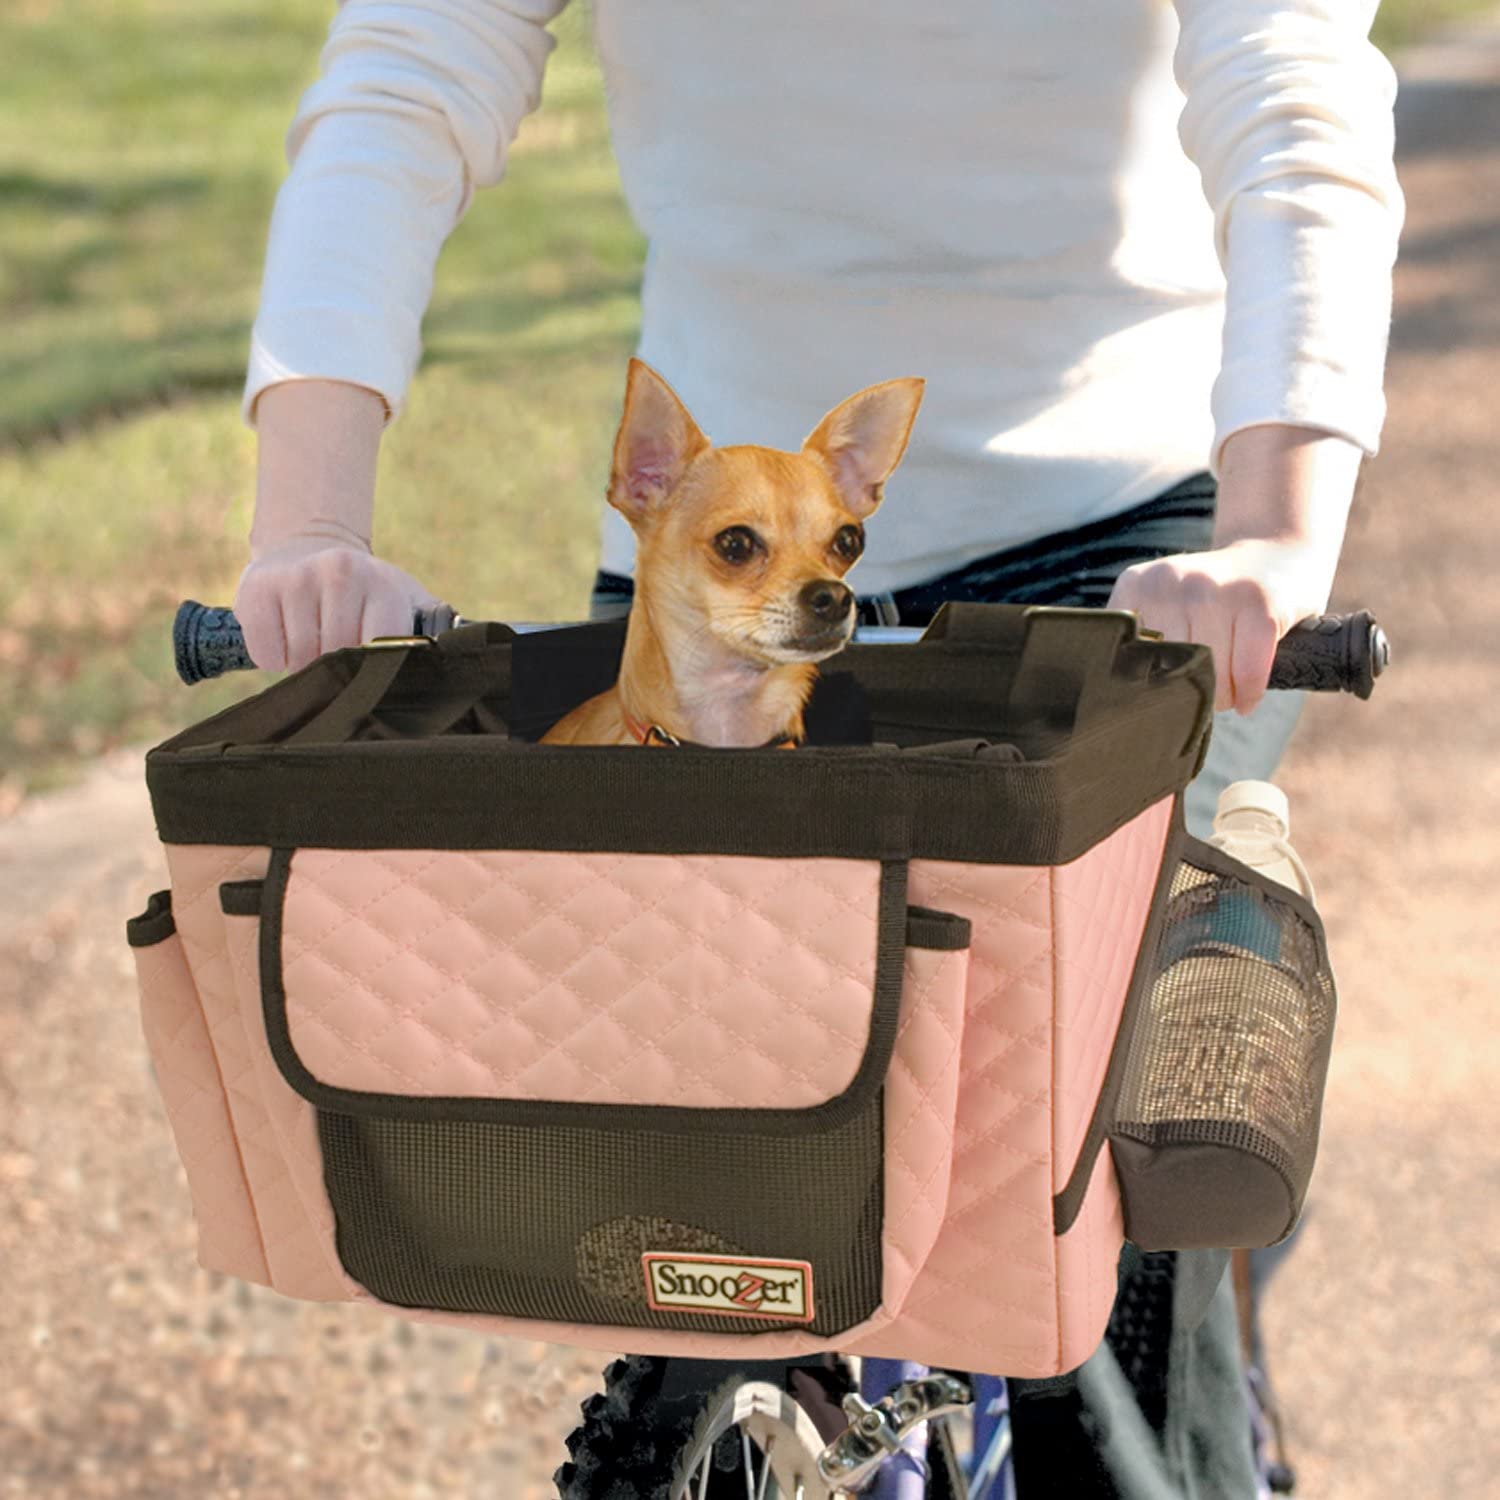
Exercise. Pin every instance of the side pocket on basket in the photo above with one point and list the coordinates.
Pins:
(1215, 1127)
(921, 1095)
(192, 1093)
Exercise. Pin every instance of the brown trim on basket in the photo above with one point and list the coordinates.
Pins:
(1108, 724)
(241, 898)
(868, 1080)
(943, 931)
(865, 803)
(154, 925)
(1067, 1204)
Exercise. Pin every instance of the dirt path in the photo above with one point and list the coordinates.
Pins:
(1387, 1323)
(130, 1372)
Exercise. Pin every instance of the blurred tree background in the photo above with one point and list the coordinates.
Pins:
(141, 155)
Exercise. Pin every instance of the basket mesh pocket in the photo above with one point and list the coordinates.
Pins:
(552, 1222)
(1215, 1125)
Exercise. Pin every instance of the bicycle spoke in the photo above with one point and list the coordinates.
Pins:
(779, 1447)
(765, 1478)
(987, 1470)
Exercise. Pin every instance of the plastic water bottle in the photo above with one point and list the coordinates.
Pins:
(1253, 825)
(1226, 997)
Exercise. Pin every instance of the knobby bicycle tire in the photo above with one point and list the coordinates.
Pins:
(623, 1448)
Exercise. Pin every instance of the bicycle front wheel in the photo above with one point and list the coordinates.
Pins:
(751, 1427)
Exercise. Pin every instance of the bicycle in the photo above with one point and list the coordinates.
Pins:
(783, 1437)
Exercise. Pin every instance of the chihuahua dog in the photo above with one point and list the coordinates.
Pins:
(741, 554)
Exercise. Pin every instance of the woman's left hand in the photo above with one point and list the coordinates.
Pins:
(1238, 600)
(1284, 497)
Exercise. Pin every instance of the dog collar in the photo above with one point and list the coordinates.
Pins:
(654, 734)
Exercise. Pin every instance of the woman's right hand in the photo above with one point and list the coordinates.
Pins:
(313, 584)
(313, 594)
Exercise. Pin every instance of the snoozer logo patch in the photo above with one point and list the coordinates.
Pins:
(729, 1286)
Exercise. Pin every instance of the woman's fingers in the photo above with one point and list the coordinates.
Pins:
(1220, 600)
(1251, 654)
(341, 607)
(301, 616)
(310, 596)
(258, 610)
(1155, 594)
(387, 611)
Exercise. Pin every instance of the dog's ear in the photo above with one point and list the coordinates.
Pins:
(861, 440)
(656, 442)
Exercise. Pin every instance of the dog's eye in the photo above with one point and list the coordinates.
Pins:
(849, 542)
(736, 544)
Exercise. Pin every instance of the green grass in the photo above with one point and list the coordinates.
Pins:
(131, 234)
(1400, 22)
(140, 158)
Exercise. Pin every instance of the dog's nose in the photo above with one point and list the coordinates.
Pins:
(827, 599)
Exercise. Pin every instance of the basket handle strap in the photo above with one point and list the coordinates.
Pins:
(466, 669)
(338, 720)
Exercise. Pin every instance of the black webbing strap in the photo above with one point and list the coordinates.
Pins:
(463, 669)
(338, 721)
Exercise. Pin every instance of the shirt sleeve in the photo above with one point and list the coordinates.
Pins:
(417, 105)
(1289, 120)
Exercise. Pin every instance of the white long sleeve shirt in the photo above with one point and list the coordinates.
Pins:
(1108, 233)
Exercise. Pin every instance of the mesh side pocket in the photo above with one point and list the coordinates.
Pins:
(1215, 1126)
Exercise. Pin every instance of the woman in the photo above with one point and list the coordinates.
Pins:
(1140, 252)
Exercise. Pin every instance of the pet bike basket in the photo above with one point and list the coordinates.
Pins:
(703, 1051)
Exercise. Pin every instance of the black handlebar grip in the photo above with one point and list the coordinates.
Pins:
(1332, 653)
(208, 642)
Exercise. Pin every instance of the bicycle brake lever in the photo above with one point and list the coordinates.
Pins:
(877, 1431)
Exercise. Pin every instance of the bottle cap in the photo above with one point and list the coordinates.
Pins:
(1256, 796)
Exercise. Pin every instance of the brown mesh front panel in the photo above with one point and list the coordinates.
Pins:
(550, 1222)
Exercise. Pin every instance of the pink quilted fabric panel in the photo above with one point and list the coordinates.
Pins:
(601, 978)
(988, 1286)
(1099, 907)
(1087, 1260)
(187, 1078)
(921, 1098)
(301, 1208)
(296, 1258)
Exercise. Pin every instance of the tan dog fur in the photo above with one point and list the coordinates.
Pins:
(724, 635)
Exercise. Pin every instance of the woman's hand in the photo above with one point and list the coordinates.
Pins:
(313, 584)
(312, 594)
(1284, 496)
(1239, 600)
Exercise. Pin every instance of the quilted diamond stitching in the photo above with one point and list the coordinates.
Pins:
(296, 1262)
(750, 1060)
(193, 1098)
(999, 1215)
(908, 1092)
(1101, 902)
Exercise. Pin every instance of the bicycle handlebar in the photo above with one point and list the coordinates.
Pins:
(1322, 654)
